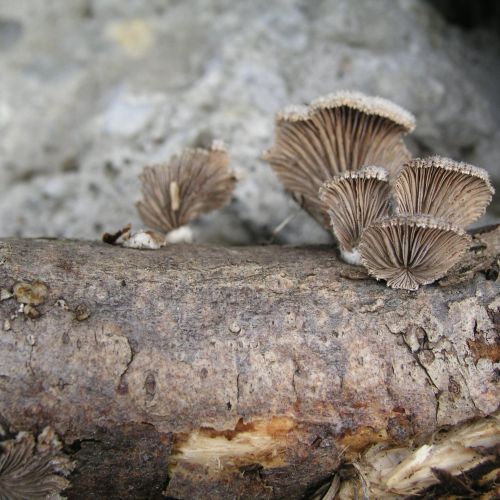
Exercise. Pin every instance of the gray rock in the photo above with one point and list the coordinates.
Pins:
(92, 91)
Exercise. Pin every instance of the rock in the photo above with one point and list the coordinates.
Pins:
(92, 91)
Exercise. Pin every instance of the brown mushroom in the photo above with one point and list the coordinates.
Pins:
(454, 191)
(196, 182)
(353, 201)
(33, 470)
(409, 251)
(337, 133)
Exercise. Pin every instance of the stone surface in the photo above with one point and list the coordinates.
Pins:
(93, 90)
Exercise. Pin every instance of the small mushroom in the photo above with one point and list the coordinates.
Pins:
(353, 201)
(33, 470)
(189, 185)
(454, 191)
(337, 133)
(409, 251)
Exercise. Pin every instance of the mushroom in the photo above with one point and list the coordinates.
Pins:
(33, 470)
(341, 132)
(447, 189)
(409, 251)
(353, 201)
(175, 193)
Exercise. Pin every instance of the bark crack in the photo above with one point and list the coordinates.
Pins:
(238, 388)
(466, 385)
(127, 366)
(437, 390)
(29, 361)
(296, 371)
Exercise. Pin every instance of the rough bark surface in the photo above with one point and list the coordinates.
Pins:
(201, 372)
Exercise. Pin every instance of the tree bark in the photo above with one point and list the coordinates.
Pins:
(251, 372)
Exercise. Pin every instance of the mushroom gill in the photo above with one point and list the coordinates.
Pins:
(337, 133)
(450, 190)
(409, 251)
(30, 469)
(176, 192)
(353, 200)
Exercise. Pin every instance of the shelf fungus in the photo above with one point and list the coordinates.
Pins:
(174, 193)
(337, 133)
(353, 200)
(453, 191)
(409, 251)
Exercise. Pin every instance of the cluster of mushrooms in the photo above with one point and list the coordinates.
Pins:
(343, 159)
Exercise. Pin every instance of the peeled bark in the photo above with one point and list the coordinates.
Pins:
(208, 372)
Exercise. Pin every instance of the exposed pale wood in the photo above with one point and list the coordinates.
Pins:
(236, 372)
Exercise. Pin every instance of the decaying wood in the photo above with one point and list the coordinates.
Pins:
(201, 372)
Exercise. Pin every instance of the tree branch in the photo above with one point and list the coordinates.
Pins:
(226, 372)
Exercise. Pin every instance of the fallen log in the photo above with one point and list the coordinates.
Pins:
(254, 372)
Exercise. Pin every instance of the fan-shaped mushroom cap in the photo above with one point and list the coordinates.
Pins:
(368, 105)
(353, 201)
(337, 133)
(450, 190)
(411, 251)
(33, 470)
(193, 183)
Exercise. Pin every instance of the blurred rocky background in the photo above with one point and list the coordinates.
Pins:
(92, 90)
